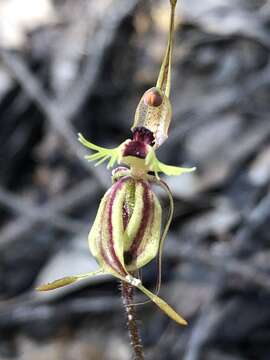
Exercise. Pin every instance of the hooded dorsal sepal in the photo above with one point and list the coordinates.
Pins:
(154, 109)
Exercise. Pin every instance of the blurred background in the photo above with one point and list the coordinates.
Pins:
(68, 66)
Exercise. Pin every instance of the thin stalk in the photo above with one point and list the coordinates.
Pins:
(128, 300)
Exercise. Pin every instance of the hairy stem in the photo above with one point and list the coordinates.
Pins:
(127, 297)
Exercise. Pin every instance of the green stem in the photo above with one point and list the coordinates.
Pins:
(127, 297)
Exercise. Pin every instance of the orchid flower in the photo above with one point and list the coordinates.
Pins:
(127, 232)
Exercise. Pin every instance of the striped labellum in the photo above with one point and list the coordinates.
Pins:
(126, 233)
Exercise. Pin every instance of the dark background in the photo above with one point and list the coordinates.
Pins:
(69, 66)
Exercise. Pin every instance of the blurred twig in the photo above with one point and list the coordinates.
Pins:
(252, 221)
(47, 212)
(53, 111)
(34, 310)
(60, 113)
(23, 207)
(86, 81)
(202, 329)
(246, 270)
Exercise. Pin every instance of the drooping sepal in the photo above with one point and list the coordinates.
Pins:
(166, 308)
(67, 281)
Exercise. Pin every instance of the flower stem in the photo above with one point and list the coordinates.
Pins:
(127, 297)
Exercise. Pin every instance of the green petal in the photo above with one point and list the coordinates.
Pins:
(157, 166)
(88, 144)
(94, 156)
(112, 155)
(174, 170)
(102, 160)
(67, 281)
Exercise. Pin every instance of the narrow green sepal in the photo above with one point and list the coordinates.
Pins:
(67, 281)
(57, 283)
(168, 310)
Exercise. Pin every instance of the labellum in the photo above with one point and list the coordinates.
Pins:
(126, 233)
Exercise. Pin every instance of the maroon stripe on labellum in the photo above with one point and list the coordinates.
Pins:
(126, 215)
(118, 169)
(101, 245)
(144, 219)
(152, 213)
(118, 185)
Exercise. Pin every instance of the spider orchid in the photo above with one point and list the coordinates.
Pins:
(126, 234)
